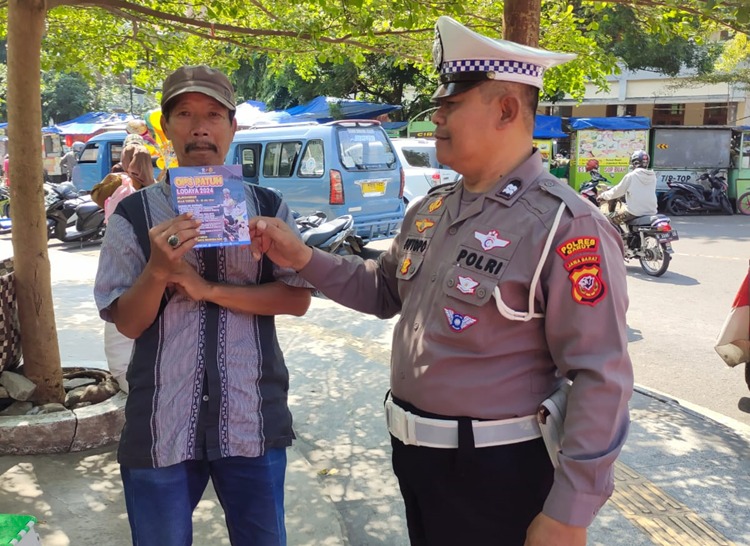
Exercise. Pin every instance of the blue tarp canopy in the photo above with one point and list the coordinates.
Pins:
(44, 129)
(249, 112)
(612, 124)
(90, 123)
(548, 127)
(318, 109)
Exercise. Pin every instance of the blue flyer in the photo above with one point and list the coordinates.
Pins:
(216, 196)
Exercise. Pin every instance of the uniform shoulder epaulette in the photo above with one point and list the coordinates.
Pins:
(574, 202)
(442, 189)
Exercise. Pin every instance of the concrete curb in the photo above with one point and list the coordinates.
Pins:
(66, 431)
(694, 409)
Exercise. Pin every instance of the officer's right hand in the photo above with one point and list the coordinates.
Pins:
(545, 531)
(273, 237)
(166, 258)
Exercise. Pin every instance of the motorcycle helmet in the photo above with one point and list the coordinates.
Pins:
(78, 147)
(640, 159)
(66, 190)
(592, 164)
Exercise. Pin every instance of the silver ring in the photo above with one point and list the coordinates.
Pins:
(173, 240)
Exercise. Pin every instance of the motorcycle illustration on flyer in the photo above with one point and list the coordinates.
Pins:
(215, 195)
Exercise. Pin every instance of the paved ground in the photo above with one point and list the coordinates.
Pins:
(683, 478)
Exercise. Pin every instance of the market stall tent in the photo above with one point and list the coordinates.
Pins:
(87, 125)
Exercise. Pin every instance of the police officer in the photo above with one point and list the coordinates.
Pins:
(507, 283)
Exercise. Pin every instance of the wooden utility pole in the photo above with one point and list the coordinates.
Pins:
(521, 20)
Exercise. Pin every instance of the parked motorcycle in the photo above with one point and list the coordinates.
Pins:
(648, 238)
(336, 236)
(73, 217)
(4, 201)
(687, 198)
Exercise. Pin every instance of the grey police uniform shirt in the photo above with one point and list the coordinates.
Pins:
(454, 354)
(205, 381)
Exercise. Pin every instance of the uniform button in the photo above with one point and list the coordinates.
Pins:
(452, 231)
(433, 277)
(549, 183)
(481, 293)
(416, 326)
(451, 283)
(205, 398)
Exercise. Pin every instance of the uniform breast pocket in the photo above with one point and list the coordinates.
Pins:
(468, 286)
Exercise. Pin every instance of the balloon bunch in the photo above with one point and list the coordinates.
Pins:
(156, 141)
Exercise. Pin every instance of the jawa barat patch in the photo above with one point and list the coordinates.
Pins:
(586, 277)
(576, 245)
(584, 259)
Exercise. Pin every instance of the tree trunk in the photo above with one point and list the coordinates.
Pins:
(521, 21)
(41, 354)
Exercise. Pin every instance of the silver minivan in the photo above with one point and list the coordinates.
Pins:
(422, 170)
(341, 167)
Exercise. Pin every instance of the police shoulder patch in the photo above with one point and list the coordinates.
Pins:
(577, 245)
(588, 288)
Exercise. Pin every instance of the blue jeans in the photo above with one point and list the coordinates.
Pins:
(160, 501)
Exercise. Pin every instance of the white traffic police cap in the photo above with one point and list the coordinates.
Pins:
(464, 59)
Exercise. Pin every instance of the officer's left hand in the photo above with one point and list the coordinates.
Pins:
(545, 531)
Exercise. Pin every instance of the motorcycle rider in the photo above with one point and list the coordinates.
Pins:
(639, 189)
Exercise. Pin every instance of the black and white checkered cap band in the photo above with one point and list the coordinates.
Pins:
(487, 65)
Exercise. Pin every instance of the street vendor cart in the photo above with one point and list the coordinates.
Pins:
(610, 141)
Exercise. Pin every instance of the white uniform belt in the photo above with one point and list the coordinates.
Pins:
(427, 432)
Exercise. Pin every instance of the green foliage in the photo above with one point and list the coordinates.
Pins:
(64, 96)
(677, 41)
(113, 94)
(378, 79)
(736, 52)
(732, 66)
(348, 47)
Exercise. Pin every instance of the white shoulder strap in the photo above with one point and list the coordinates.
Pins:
(526, 316)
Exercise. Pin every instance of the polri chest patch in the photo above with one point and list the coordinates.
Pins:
(480, 261)
(458, 322)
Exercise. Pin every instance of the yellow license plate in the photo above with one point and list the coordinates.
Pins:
(373, 188)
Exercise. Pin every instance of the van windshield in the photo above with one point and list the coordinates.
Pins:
(365, 148)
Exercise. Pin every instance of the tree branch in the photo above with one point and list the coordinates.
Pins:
(122, 6)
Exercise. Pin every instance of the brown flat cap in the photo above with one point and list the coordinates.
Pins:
(198, 79)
